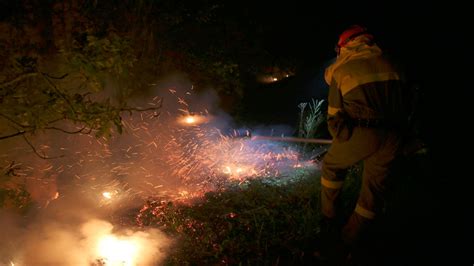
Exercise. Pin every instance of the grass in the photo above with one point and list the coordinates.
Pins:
(258, 224)
(272, 221)
(268, 223)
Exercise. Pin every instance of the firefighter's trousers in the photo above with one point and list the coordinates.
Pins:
(377, 148)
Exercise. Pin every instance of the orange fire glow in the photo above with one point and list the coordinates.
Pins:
(117, 251)
(107, 195)
(192, 120)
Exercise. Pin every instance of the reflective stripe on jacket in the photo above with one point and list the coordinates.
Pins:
(366, 85)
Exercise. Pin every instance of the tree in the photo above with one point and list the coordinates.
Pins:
(70, 66)
(56, 65)
(43, 84)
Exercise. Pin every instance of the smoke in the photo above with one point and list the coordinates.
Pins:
(155, 156)
(82, 242)
(80, 197)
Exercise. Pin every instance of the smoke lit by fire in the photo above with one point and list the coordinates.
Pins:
(183, 153)
(94, 242)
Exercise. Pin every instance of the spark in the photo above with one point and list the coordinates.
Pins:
(48, 168)
(182, 101)
(158, 156)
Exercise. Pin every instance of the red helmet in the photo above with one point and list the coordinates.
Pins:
(351, 33)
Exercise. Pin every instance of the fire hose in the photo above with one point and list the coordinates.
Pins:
(292, 139)
(316, 157)
(413, 146)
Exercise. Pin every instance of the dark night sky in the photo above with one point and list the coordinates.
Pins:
(425, 37)
(313, 27)
(419, 34)
(307, 32)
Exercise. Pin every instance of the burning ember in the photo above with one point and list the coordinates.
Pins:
(193, 120)
(189, 120)
(153, 158)
(208, 158)
(107, 195)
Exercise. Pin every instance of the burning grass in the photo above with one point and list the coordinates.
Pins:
(257, 224)
(184, 160)
(261, 222)
(226, 199)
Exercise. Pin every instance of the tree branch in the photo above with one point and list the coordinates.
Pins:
(42, 156)
(46, 77)
(131, 109)
(53, 77)
(66, 131)
(18, 79)
(12, 135)
(13, 121)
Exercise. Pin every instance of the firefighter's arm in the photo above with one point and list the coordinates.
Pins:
(334, 109)
(339, 125)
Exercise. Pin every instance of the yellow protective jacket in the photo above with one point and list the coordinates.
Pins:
(363, 84)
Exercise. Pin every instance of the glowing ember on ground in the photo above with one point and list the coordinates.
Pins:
(154, 157)
(238, 172)
(182, 150)
(205, 156)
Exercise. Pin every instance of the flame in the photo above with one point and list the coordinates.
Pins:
(238, 172)
(115, 251)
(183, 193)
(192, 119)
(158, 156)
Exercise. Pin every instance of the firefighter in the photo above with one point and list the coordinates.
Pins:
(368, 113)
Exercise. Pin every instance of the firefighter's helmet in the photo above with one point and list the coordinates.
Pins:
(351, 33)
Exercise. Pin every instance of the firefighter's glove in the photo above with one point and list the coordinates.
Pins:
(340, 127)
